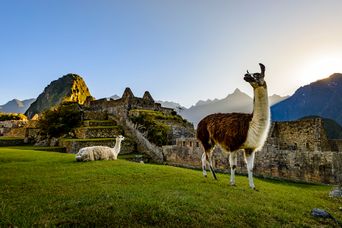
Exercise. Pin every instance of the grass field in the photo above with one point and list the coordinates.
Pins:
(47, 188)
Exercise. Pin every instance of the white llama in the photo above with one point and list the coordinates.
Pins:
(93, 153)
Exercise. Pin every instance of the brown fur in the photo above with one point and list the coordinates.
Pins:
(228, 130)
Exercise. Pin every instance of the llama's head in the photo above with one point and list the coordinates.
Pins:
(256, 79)
(120, 138)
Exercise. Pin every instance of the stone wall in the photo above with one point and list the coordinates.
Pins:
(336, 144)
(143, 145)
(308, 166)
(95, 115)
(306, 135)
(98, 132)
(8, 125)
(16, 132)
(286, 154)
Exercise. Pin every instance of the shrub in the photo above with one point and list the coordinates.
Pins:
(61, 120)
(151, 123)
(12, 116)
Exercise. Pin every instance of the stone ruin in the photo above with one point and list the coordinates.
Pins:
(120, 107)
(294, 150)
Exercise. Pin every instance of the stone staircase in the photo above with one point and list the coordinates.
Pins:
(97, 131)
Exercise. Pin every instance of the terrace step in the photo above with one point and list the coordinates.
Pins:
(98, 123)
(98, 132)
(11, 141)
(93, 115)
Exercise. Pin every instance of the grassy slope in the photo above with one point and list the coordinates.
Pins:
(50, 188)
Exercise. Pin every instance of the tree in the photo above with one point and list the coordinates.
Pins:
(61, 120)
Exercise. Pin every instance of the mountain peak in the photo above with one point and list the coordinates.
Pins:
(237, 94)
(335, 75)
(70, 87)
(16, 106)
(237, 90)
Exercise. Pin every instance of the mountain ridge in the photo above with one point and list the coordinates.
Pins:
(320, 98)
(16, 105)
(237, 101)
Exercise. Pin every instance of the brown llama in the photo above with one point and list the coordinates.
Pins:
(238, 131)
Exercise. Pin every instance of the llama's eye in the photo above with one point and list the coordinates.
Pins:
(256, 75)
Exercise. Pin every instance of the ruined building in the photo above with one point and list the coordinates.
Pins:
(128, 101)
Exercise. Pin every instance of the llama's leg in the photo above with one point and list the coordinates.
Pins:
(204, 164)
(210, 160)
(233, 164)
(249, 159)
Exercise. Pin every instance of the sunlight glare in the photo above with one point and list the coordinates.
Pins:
(320, 67)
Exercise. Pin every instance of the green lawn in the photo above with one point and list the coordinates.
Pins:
(47, 188)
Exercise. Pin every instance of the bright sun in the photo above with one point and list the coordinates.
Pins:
(319, 67)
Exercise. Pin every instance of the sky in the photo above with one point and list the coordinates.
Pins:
(181, 51)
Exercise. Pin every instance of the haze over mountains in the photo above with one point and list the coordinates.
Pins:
(238, 101)
(16, 106)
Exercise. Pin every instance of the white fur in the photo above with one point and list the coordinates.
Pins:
(261, 121)
(93, 153)
(258, 130)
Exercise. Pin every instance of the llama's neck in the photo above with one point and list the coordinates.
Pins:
(261, 109)
(259, 126)
(117, 147)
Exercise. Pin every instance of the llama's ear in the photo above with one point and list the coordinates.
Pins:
(262, 67)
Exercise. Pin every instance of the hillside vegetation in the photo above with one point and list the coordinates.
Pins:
(158, 126)
(40, 188)
(12, 116)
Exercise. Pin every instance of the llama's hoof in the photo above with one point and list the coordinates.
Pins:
(205, 176)
(257, 190)
(233, 184)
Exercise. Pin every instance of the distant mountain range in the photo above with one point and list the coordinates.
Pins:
(321, 98)
(16, 106)
(173, 105)
(236, 102)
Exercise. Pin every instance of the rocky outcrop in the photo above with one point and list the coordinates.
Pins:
(70, 87)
